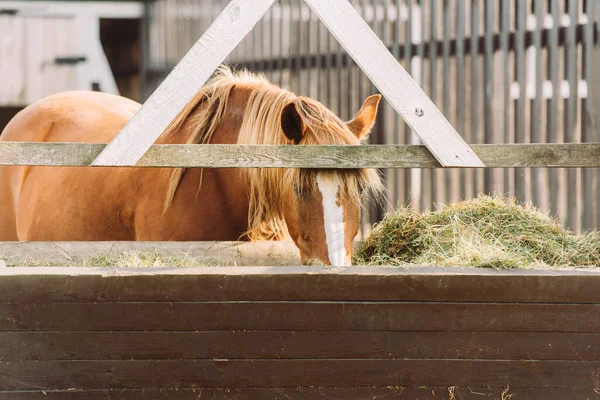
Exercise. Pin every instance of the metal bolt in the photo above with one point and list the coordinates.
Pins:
(419, 112)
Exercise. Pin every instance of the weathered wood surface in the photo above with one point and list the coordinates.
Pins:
(266, 253)
(172, 345)
(321, 393)
(402, 92)
(137, 374)
(186, 79)
(310, 284)
(265, 156)
(300, 316)
(209, 332)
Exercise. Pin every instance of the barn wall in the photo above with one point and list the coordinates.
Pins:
(28, 49)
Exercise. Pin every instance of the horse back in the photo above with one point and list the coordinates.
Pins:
(91, 117)
(26, 192)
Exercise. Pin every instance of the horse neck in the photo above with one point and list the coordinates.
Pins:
(228, 130)
(219, 186)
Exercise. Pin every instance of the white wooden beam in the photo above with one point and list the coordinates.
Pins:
(394, 83)
(186, 79)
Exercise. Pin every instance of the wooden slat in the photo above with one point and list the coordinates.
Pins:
(428, 284)
(186, 79)
(328, 316)
(271, 156)
(308, 393)
(28, 346)
(398, 87)
(292, 373)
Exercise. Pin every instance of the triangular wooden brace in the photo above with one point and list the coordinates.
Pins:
(228, 30)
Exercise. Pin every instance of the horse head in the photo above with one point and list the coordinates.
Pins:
(322, 207)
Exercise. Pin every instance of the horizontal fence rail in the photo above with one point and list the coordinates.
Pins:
(573, 155)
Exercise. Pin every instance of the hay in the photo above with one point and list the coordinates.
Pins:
(484, 232)
(123, 259)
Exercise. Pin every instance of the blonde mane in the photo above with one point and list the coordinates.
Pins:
(261, 124)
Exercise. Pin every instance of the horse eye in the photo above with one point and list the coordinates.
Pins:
(297, 192)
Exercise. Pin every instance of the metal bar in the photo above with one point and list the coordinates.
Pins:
(340, 79)
(272, 35)
(451, 183)
(408, 53)
(488, 96)
(504, 35)
(309, 52)
(144, 33)
(281, 42)
(397, 188)
(521, 104)
(291, 56)
(255, 49)
(365, 216)
(460, 81)
(329, 68)
(552, 126)
(361, 75)
(473, 133)
(263, 49)
(350, 93)
(571, 115)
(299, 49)
(587, 113)
(536, 106)
(372, 88)
(319, 62)
(380, 131)
(433, 94)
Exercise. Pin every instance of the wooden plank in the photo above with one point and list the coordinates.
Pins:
(272, 156)
(29, 346)
(271, 253)
(398, 87)
(425, 284)
(292, 373)
(308, 393)
(186, 79)
(311, 316)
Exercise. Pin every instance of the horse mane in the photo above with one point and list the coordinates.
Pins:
(261, 124)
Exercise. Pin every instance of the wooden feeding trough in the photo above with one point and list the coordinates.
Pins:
(298, 332)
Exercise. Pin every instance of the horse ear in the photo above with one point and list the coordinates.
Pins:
(291, 123)
(364, 120)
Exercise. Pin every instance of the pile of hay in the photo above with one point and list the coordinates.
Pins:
(484, 232)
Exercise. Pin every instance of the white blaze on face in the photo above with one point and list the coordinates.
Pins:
(333, 215)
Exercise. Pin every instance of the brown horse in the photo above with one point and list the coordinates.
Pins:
(320, 210)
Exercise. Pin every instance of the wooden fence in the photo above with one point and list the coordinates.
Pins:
(501, 71)
(586, 155)
(298, 332)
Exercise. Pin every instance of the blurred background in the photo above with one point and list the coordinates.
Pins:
(502, 71)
